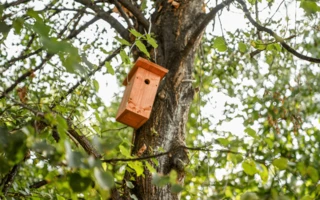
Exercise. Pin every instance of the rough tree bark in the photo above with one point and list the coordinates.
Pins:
(174, 28)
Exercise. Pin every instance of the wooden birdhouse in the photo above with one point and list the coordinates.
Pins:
(141, 84)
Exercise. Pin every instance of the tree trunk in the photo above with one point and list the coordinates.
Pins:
(166, 127)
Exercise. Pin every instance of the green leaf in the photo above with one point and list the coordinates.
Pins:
(252, 2)
(258, 45)
(269, 142)
(235, 158)
(34, 14)
(124, 57)
(62, 125)
(72, 64)
(302, 168)
(173, 176)
(78, 183)
(59, 197)
(274, 47)
(251, 132)
(73, 157)
(109, 68)
(280, 163)
(152, 41)
(307, 198)
(17, 24)
(133, 196)
(220, 44)
(42, 29)
(129, 184)
(160, 180)
(4, 28)
(1, 11)
(104, 179)
(142, 47)
(124, 151)
(137, 167)
(43, 148)
(95, 85)
(223, 141)
(135, 33)
(242, 47)
(264, 174)
(123, 41)
(249, 196)
(4, 138)
(313, 173)
(176, 188)
(86, 47)
(87, 62)
(249, 167)
(309, 7)
(150, 168)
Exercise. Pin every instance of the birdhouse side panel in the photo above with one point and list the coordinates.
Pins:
(125, 99)
(143, 92)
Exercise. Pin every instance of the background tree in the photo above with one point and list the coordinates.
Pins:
(59, 139)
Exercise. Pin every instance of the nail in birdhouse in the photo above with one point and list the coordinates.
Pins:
(141, 84)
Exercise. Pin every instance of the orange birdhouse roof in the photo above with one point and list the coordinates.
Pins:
(147, 65)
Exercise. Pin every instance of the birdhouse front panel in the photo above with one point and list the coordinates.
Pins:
(140, 92)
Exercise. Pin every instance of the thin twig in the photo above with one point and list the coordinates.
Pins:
(277, 37)
(48, 57)
(210, 16)
(275, 12)
(136, 12)
(83, 79)
(14, 3)
(123, 14)
(9, 178)
(24, 76)
(114, 23)
(82, 140)
(71, 10)
(167, 153)
(114, 129)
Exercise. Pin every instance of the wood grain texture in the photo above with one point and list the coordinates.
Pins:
(140, 92)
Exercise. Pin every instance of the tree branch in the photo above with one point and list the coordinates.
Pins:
(73, 88)
(81, 139)
(22, 54)
(167, 153)
(208, 17)
(86, 25)
(9, 178)
(48, 57)
(15, 3)
(273, 34)
(21, 57)
(114, 129)
(135, 159)
(70, 10)
(124, 33)
(41, 183)
(116, 3)
(136, 12)
(24, 76)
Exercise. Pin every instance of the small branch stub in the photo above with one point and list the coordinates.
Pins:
(141, 86)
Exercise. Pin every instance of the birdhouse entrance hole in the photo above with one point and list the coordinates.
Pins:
(141, 87)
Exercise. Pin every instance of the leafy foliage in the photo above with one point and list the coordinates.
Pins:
(53, 115)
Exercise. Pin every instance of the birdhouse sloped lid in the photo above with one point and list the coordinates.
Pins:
(147, 65)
